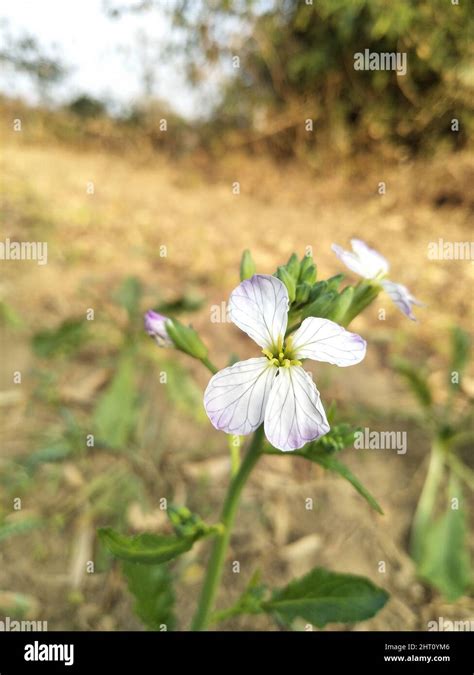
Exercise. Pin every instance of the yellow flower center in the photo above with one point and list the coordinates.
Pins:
(282, 354)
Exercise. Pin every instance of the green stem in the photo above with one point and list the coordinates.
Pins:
(427, 501)
(221, 542)
(209, 365)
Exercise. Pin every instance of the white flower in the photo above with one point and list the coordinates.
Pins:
(368, 263)
(274, 388)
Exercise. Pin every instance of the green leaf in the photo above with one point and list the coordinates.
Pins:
(250, 602)
(460, 348)
(445, 558)
(116, 412)
(329, 462)
(66, 339)
(416, 381)
(146, 547)
(323, 597)
(129, 295)
(151, 586)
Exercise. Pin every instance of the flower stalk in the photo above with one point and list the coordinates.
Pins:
(221, 542)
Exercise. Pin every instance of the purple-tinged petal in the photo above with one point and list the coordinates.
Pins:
(155, 325)
(236, 397)
(259, 307)
(323, 340)
(401, 297)
(294, 414)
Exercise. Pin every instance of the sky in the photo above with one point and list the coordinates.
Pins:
(102, 53)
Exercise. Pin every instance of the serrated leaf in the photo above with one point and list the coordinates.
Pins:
(146, 547)
(151, 586)
(323, 597)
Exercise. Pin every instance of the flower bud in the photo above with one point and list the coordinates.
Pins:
(302, 293)
(320, 306)
(186, 339)
(247, 266)
(155, 325)
(288, 280)
(308, 269)
(293, 266)
(340, 305)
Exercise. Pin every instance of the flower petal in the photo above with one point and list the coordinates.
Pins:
(294, 414)
(364, 261)
(324, 340)
(235, 397)
(371, 259)
(401, 297)
(259, 307)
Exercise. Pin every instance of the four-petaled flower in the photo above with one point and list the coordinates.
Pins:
(368, 263)
(274, 388)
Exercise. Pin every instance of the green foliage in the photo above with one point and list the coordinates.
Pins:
(301, 55)
(444, 556)
(318, 454)
(323, 597)
(128, 295)
(64, 340)
(158, 548)
(323, 451)
(116, 411)
(439, 542)
(145, 548)
(460, 351)
(151, 586)
(416, 380)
